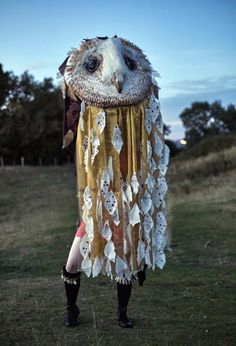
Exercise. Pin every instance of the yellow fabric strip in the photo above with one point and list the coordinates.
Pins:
(131, 159)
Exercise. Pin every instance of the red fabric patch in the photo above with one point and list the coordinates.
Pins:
(80, 230)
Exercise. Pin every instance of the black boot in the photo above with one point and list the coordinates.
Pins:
(142, 275)
(123, 295)
(72, 285)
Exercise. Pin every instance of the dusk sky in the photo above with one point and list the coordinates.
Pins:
(192, 44)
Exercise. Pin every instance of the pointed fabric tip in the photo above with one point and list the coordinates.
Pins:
(115, 217)
(109, 251)
(101, 121)
(134, 216)
(147, 257)
(108, 268)
(117, 140)
(135, 184)
(159, 123)
(97, 266)
(129, 194)
(105, 182)
(87, 198)
(161, 222)
(158, 145)
(146, 202)
(68, 138)
(162, 185)
(148, 224)
(150, 182)
(106, 231)
(161, 260)
(120, 266)
(84, 246)
(111, 202)
(86, 266)
(141, 251)
(165, 157)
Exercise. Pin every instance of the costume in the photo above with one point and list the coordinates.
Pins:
(113, 119)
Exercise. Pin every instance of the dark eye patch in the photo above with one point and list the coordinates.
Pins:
(92, 64)
(131, 63)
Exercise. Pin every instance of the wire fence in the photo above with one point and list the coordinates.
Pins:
(39, 162)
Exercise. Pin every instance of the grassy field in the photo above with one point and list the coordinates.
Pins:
(191, 302)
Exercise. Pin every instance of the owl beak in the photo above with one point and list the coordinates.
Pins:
(118, 80)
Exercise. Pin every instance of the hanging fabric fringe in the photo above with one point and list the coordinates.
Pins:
(121, 165)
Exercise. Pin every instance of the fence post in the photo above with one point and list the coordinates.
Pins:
(55, 161)
(40, 161)
(2, 162)
(22, 160)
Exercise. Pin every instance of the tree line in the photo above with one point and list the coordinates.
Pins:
(31, 124)
(31, 120)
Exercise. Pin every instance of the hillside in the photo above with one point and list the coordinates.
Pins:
(190, 302)
(199, 168)
(210, 144)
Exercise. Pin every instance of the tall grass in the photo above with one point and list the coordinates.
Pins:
(199, 168)
(209, 144)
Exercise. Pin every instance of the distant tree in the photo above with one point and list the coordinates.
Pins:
(202, 119)
(217, 116)
(166, 129)
(5, 85)
(228, 118)
(196, 121)
(172, 146)
(30, 118)
(8, 87)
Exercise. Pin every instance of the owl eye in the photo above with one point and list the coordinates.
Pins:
(131, 63)
(92, 65)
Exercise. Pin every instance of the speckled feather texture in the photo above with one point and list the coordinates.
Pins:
(100, 88)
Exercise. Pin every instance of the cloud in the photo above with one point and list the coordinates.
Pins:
(36, 66)
(199, 86)
(171, 107)
(175, 123)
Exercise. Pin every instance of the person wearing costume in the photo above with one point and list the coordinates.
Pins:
(113, 120)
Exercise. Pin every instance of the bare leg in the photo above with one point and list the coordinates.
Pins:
(75, 258)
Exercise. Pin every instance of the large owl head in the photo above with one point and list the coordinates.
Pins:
(108, 72)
